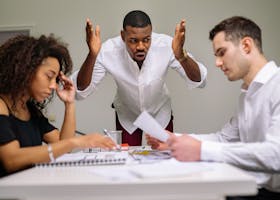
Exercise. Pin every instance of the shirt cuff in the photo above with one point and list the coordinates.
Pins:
(203, 74)
(178, 134)
(211, 151)
(82, 94)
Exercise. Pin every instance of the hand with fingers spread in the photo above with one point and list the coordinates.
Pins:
(65, 91)
(184, 148)
(93, 38)
(179, 40)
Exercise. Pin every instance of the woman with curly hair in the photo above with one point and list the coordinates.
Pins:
(30, 70)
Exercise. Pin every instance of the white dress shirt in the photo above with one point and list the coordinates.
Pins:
(139, 90)
(251, 140)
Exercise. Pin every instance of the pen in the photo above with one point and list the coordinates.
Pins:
(109, 135)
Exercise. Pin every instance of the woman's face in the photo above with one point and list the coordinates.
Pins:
(44, 80)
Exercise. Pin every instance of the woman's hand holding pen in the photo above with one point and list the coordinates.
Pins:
(117, 146)
(94, 140)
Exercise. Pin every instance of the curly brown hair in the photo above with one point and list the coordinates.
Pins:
(21, 56)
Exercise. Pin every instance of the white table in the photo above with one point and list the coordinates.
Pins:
(80, 183)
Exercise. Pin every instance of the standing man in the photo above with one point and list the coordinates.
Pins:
(138, 60)
(250, 140)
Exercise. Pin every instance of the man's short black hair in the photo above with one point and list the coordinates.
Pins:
(136, 18)
(238, 27)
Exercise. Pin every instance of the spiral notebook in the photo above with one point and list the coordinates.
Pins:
(87, 159)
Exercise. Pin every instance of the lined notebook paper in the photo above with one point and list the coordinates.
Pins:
(87, 159)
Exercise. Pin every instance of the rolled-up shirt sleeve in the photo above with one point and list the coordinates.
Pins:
(190, 84)
(81, 94)
(97, 75)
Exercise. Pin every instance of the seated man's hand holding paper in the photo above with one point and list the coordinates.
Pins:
(184, 148)
(155, 143)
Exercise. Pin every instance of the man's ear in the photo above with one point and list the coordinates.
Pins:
(123, 35)
(247, 44)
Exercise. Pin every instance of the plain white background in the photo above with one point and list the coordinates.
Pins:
(199, 110)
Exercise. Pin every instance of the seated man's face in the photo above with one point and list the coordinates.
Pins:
(138, 41)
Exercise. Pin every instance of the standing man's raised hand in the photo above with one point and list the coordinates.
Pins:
(179, 39)
(93, 37)
(94, 44)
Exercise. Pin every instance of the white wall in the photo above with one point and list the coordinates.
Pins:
(199, 110)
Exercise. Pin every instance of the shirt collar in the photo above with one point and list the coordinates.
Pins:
(266, 72)
(264, 75)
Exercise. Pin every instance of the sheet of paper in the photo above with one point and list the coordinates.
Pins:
(149, 125)
(161, 169)
(71, 157)
(168, 168)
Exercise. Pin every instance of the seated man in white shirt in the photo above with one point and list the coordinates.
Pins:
(251, 139)
(138, 60)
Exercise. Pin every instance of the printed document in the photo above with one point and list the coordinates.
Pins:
(149, 125)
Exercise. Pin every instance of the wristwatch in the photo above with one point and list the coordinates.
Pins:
(185, 56)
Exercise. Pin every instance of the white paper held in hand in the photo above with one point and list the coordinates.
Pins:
(149, 125)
